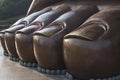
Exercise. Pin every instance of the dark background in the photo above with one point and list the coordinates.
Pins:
(12, 10)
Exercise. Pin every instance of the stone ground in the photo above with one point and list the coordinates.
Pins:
(10, 70)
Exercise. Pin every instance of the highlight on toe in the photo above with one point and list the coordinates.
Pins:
(2, 34)
(37, 5)
(3, 43)
(92, 50)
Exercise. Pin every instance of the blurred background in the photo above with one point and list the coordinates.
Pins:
(11, 11)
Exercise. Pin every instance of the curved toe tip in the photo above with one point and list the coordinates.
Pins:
(89, 32)
(28, 30)
(49, 31)
(15, 28)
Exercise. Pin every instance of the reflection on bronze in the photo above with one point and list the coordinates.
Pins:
(48, 41)
(9, 34)
(2, 34)
(37, 5)
(3, 43)
(65, 37)
(92, 50)
(24, 42)
(9, 39)
(34, 15)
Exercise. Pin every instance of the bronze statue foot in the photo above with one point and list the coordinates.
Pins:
(14, 58)
(92, 51)
(9, 34)
(27, 64)
(51, 71)
(48, 41)
(2, 37)
(23, 38)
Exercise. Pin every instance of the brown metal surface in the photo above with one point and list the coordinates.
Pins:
(37, 5)
(92, 50)
(48, 41)
(24, 42)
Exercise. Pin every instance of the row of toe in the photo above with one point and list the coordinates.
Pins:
(79, 38)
